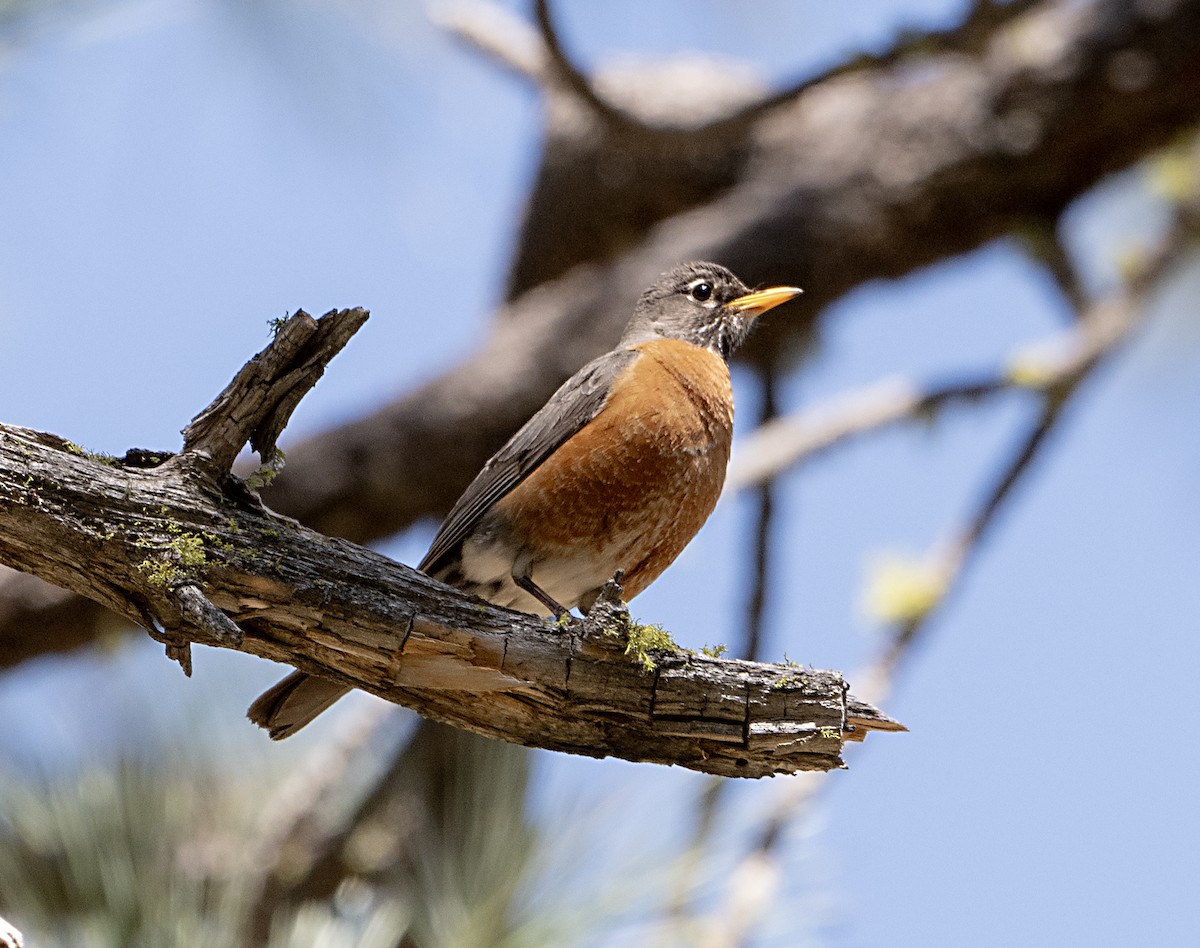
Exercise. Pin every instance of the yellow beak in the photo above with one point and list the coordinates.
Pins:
(758, 302)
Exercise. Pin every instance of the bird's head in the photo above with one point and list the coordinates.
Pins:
(704, 304)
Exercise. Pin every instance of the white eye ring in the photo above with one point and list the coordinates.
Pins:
(702, 292)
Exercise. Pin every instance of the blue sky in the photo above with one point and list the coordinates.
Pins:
(176, 173)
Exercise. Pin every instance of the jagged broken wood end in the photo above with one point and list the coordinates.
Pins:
(258, 402)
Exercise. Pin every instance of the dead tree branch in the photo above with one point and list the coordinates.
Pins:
(869, 174)
(185, 550)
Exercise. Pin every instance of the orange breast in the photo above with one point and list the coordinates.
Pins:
(633, 486)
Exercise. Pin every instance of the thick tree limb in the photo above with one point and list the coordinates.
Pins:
(164, 549)
(870, 174)
(186, 551)
(873, 174)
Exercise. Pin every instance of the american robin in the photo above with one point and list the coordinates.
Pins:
(618, 470)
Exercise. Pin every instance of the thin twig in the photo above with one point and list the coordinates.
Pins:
(764, 515)
(709, 802)
(294, 838)
(505, 38)
(1103, 328)
(1045, 244)
(791, 440)
(502, 37)
(572, 78)
(954, 562)
(800, 793)
(679, 908)
(1052, 365)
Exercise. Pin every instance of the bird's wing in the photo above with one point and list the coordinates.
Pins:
(578, 401)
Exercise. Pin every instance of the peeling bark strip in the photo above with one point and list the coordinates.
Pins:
(185, 550)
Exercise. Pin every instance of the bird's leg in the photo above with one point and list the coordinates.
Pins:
(541, 596)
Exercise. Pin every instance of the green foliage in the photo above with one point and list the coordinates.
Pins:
(121, 856)
(135, 854)
(434, 846)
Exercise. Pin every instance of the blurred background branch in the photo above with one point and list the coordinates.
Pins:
(911, 594)
(945, 186)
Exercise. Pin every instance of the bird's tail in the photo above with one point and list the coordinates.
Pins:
(290, 704)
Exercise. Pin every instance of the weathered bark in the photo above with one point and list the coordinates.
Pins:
(871, 173)
(185, 550)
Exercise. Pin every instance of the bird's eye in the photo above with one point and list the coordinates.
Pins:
(701, 292)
